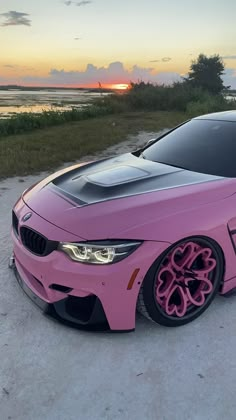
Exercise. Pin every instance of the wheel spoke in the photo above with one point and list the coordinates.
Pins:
(173, 309)
(166, 279)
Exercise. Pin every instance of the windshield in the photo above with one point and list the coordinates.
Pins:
(206, 146)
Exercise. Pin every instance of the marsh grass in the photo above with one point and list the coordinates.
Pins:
(25, 122)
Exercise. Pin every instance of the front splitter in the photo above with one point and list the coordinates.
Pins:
(59, 310)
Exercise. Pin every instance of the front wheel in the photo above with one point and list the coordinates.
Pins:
(182, 283)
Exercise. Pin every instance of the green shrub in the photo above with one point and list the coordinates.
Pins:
(207, 105)
(179, 97)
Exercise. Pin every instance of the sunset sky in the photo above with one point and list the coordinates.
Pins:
(81, 43)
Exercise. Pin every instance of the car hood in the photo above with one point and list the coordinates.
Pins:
(109, 198)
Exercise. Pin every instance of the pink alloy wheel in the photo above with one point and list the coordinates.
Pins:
(182, 282)
(185, 278)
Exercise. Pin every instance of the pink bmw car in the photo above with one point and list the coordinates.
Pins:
(153, 230)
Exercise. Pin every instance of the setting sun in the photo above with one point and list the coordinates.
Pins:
(120, 86)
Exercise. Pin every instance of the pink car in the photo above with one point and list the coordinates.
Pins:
(153, 230)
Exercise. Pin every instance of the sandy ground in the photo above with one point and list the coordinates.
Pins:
(49, 371)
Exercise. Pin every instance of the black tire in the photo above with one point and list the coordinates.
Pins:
(155, 310)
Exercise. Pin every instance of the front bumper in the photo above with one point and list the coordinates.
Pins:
(89, 296)
(73, 311)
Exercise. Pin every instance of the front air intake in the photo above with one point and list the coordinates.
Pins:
(15, 223)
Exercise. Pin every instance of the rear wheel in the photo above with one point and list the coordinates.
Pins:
(182, 283)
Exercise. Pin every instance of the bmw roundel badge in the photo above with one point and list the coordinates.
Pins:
(26, 217)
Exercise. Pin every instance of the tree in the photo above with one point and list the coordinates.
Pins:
(206, 72)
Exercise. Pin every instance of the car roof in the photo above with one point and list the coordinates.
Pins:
(229, 116)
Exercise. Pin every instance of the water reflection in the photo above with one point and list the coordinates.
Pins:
(6, 111)
(17, 101)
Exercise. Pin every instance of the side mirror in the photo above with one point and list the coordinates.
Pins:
(161, 134)
(150, 142)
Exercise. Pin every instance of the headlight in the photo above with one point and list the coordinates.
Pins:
(101, 252)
